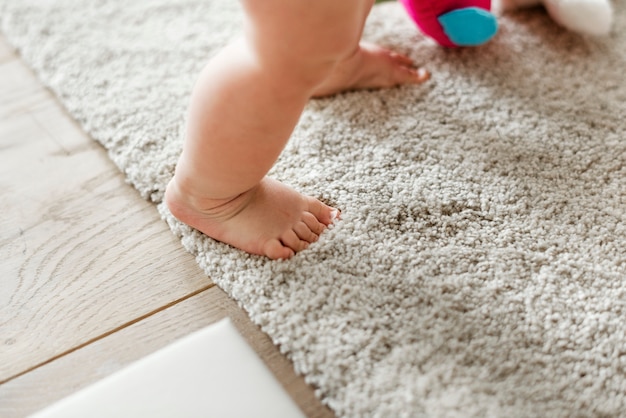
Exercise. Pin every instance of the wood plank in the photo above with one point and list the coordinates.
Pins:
(6, 51)
(19, 89)
(83, 260)
(81, 253)
(60, 378)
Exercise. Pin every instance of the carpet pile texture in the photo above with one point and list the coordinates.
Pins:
(479, 268)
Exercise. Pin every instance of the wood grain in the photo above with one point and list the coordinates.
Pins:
(80, 252)
(40, 387)
(90, 278)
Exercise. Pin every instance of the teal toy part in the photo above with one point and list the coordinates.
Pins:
(469, 26)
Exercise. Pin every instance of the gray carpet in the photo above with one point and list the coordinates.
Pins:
(480, 265)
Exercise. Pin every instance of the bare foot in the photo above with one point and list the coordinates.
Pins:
(372, 66)
(270, 219)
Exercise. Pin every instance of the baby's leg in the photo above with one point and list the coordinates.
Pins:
(243, 109)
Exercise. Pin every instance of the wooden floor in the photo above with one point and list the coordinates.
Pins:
(91, 279)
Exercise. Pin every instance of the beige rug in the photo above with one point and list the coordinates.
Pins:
(480, 265)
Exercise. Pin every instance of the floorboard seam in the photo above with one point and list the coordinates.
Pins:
(110, 332)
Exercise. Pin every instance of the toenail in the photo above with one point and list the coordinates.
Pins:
(334, 215)
(422, 74)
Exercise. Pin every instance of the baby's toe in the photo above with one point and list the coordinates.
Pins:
(275, 250)
(324, 213)
(406, 75)
(292, 240)
(313, 223)
(400, 59)
(304, 232)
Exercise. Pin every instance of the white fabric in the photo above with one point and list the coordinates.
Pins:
(588, 17)
(591, 17)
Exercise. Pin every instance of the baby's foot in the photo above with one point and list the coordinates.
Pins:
(371, 66)
(270, 219)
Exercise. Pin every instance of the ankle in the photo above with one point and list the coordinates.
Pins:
(180, 197)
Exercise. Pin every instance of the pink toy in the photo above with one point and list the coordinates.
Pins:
(454, 23)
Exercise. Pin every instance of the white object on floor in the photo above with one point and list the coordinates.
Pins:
(210, 373)
(589, 17)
